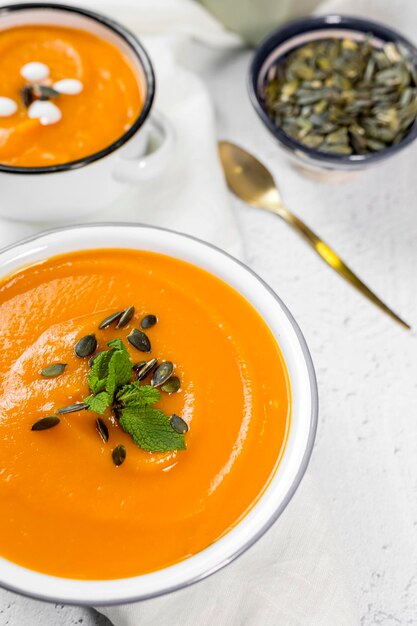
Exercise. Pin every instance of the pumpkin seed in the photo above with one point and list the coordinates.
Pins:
(148, 321)
(406, 96)
(375, 145)
(30, 93)
(119, 455)
(162, 373)
(139, 340)
(304, 71)
(54, 370)
(146, 369)
(102, 429)
(125, 317)
(313, 141)
(71, 408)
(138, 366)
(46, 422)
(338, 137)
(178, 424)
(358, 141)
(171, 385)
(110, 319)
(392, 53)
(86, 346)
(337, 149)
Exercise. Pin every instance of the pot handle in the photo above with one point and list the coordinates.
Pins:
(135, 170)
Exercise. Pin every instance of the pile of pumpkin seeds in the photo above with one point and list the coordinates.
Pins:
(344, 97)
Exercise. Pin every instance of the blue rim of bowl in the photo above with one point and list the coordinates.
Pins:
(140, 53)
(306, 454)
(313, 24)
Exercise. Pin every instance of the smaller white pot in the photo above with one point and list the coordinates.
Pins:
(73, 190)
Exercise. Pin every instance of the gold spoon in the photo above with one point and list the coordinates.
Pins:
(250, 181)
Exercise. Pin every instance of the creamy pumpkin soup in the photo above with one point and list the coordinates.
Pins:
(64, 94)
(144, 408)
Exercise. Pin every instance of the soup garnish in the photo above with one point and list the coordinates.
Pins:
(65, 94)
(115, 386)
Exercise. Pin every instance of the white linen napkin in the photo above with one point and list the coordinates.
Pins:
(293, 575)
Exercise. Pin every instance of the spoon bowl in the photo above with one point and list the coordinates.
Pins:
(247, 177)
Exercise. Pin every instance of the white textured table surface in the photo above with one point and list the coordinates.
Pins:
(365, 455)
(366, 451)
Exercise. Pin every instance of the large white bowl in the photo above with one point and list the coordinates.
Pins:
(303, 419)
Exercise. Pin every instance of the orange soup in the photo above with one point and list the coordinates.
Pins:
(71, 504)
(64, 94)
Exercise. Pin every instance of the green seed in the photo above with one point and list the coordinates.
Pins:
(392, 53)
(72, 408)
(171, 385)
(305, 127)
(303, 71)
(54, 370)
(324, 63)
(406, 97)
(102, 429)
(86, 346)
(337, 137)
(162, 373)
(337, 149)
(313, 141)
(391, 76)
(359, 142)
(375, 145)
(46, 422)
(178, 424)
(119, 455)
(110, 319)
(125, 317)
(148, 321)
(139, 340)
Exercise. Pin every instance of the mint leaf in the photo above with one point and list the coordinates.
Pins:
(109, 371)
(138, 395)
(151, 429)
(97, 376)
(110, 382)
(117, 344)
(119, 371)
(98, 403)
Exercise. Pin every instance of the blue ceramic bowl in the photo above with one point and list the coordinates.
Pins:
(295, 34)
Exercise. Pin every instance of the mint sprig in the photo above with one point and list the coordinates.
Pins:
(151, 429)
(110, 383)
(137, 396)
(98, 403)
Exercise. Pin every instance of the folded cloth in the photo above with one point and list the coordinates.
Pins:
(292, 576)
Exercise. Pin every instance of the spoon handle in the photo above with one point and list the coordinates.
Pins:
(334, 261)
